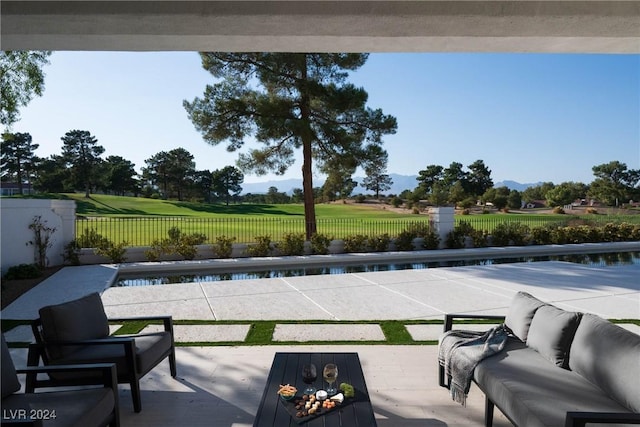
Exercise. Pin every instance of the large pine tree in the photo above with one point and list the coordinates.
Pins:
(288, 101)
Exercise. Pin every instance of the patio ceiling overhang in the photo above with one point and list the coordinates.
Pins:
(580, 26)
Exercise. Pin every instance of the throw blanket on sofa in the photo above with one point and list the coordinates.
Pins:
(460, 351)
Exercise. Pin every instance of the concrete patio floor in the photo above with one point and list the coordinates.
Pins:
(222, 385)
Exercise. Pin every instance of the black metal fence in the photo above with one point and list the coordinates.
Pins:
(143, 231)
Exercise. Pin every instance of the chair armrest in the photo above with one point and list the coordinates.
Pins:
(449, 318)
(107, 370)
(579, 419)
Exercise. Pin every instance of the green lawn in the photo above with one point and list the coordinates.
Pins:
(139, 221)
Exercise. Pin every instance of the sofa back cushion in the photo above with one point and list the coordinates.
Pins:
(10, 383)
(551, 332)
(81, 319)
(609, 357)
(521, 310)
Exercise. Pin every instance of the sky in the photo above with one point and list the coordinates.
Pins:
(529, 117)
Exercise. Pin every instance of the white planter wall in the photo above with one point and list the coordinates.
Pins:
(17, 214)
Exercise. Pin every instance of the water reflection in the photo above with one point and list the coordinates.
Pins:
(594, 260)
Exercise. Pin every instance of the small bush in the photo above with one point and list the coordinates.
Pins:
(23, 271)
(320, 244)
(558, 210)
(360, 198)
(292, 244)
(404, 240)
(455, 239)
(223, 247)
(508, 233)
(465, 211)
(415, 211)
(176, 243)
(396, 202)
(431, 240)
(592, 211)
(71, 254)
(379, 243)
(543, 235)
(114, 251)
(261, 248)
(90, 238)
(355, 243)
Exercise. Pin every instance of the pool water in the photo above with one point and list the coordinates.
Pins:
(147, 279)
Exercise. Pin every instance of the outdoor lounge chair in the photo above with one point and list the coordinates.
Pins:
(86, 407)
(78, 332)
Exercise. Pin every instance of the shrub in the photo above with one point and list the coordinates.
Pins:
(223, 247)
(262, 247)
(355, 243)
(465, 211)
(71, 254)
(404, 241)
(543, 235)
(396, 202)
(455, 239)
(360, 198)
(292, 244)
(90, 238)
(508, 233)
(592, 211)
(431, 240)
(23, 271)
(558, 210)
(379, 243)
(176, 243)
(415, 211)
(418, 229)
(320, 244)
(114, 251)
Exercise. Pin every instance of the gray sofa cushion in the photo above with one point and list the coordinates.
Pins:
(80, 319)
(608, 356)
(10, 382)
(551, 332)
(521, 311)
(534, 392)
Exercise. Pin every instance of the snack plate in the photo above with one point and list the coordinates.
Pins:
(290, 406)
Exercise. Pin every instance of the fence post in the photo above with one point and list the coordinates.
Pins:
(442, 222)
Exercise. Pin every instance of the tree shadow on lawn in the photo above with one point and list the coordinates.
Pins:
(241, 209)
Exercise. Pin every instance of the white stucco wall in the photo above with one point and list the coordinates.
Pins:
(17, 214)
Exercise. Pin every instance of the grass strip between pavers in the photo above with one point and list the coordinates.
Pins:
(261, 331)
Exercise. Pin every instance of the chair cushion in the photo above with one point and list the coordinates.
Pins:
(535, 393)
(551, 332)
(81, 319)
(78, 408)
(521, 310)
(10, 382)
(609, 357)
(150, 350)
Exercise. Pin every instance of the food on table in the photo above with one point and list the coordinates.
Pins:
(348, 390)
(337, 398)
(321, 395)
(287, 391)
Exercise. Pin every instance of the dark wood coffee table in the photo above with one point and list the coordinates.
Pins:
(287, 369)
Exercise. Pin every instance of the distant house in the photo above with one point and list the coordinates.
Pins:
(534, 204)
(12, 188)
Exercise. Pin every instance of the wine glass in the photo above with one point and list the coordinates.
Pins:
(309, 375)
(330, 375)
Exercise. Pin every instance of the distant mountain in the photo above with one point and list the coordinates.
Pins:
(513, 185)
(400, 183)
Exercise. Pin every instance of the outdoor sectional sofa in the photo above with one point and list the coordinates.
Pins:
(559, 368)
